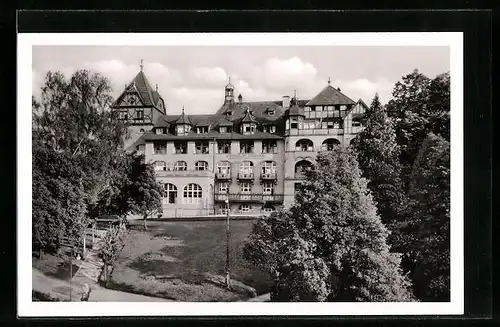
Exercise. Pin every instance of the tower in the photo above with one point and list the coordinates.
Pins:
(229, 94)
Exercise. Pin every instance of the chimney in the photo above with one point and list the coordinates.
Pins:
(156, 87)
(240, 98)
(286, 102)
(338, 89)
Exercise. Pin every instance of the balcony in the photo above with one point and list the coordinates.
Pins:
(223, 175)
(251, 197)
(268, 176)
(184, 173)
(245, 176)
(316, 131)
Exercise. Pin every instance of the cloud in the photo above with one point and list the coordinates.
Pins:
(365, 89)
(209, 76)
(279, 74)
(200, 89)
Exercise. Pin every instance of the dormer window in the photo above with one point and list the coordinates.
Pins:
(202, 130)
(161, 130)
(248, 128)
(183, 129)
(270, 112)
(229, 113)
(225, 129)
(270, 129)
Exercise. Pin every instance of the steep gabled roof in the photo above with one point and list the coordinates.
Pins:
(330, 96)
(183, 119)
(248, 117)
(141, 85)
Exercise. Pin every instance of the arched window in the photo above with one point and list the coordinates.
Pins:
(304, 145)
(201, 165)
(160, 165)
(180, 165)
(246, 168)
(224, 168)
(268, 167)
(268, 209)
(329, 144)
(192, 194)
(301, 167)
(142, 130)
(170, 193)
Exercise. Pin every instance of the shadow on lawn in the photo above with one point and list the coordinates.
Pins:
(204, 251)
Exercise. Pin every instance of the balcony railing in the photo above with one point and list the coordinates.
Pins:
(316, 131)
(224, 175)
(245, 176)
(184, 173)
(268, 176)
(250, 197)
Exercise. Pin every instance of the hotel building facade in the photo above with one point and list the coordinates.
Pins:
(252, 153)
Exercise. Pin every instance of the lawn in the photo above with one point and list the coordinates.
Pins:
(185, 261)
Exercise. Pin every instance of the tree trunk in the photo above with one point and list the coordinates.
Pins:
(145, 225)
(105, 272)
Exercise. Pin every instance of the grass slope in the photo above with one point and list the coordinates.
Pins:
(185, 261)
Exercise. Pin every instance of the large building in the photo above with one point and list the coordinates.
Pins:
(253, 153)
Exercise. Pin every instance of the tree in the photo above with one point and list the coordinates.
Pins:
(426, 234)
(144, 193)
(331, 245)
(72, 117)
(406, 108)
(76, 143)
(419, 106)
(378, 158)
(439, 106)
(59, 208)
(112, 241)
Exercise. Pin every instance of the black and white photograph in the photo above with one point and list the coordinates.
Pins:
(170, 173)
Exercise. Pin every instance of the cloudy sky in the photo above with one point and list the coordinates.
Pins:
(194, 77)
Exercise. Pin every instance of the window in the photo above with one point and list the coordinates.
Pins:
(223, 187)
(304, 145)
(245, 208)
(268, 188)
(270, 146)
(297, 187)
(201, 147)
(268, 167)
(329, 144)
(202, 130)
(301, 167)
(160, 148)
(223, 129)
(160, 165)
(270, 112)
(224, 147)
(180, 147)
(336, 125)
(170, 193)
(248, 128)
(268, 209)
(330, 125)
(201, 165)
(139, 114)
(224, 168)
(223, 209)
(356, 123)
(229, 113)
(180, 166)
(246, 168)
(294, 123)
(123, 114)
(183, 129)
(141, 130)
(246, 147)
(141, 148)
(192, 194)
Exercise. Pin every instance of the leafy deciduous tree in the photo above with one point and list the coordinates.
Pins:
(331, 245)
